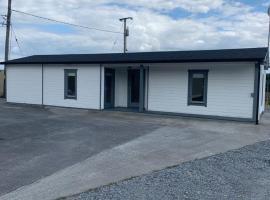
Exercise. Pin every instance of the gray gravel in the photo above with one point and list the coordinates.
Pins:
(236, 174)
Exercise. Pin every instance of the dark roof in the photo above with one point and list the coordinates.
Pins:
(250, 54)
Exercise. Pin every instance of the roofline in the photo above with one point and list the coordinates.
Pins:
(143, 52)
(138, 61)
(133, 60)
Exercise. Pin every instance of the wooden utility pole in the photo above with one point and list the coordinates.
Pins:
(126, 31)
(8, 23)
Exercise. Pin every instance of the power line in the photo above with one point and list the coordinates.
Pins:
(116, 38)
(17, 41)
(67, 23)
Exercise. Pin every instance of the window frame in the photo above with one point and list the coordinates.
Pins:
(190, 78)
(66, 72)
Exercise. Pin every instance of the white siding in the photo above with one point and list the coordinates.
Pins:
(24, 84)
(121, 87)
(229, 89)
(88, 86)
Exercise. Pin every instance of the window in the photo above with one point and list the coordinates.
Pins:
(70, 84)
(197, 87)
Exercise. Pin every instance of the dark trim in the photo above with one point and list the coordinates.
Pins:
(262, 89)
(129, 104)
(128, 88)
(141, 61)
(112, 104)
(257, 91)
(148, 70)
(42, 84)
(66, 71)
(201, 116)
(5, 83)
(100, 85)
(25, 104)
(142, 89)
(190, 74)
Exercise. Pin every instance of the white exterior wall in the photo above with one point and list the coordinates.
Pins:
(121, 85)
(24, 84)
(229, 89)
(88, 86)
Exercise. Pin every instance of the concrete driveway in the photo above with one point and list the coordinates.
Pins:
(56, 152)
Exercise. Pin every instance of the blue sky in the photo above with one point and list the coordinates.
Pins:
(158, 25)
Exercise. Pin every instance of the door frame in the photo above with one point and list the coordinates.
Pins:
(129, 103)
(112, 72)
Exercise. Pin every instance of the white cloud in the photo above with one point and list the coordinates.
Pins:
(234, 8)
(196, 6)
(233, 25)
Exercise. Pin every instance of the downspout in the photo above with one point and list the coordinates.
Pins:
(42, 85)
(100, 85)
(5, 83)
(258, 65)
(141, 98)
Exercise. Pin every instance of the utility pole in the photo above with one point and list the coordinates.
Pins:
(8, 23)
(126, 31)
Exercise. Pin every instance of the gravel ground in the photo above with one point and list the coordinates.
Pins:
(236, 174)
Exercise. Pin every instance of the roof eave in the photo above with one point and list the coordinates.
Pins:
(140, 61)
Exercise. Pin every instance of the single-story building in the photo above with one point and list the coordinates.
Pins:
(220, 84)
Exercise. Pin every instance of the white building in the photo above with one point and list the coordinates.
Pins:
(220, 84)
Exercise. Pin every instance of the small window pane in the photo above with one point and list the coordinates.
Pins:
(197, 87)
(71, 74)
(198, 75)
(70, 84)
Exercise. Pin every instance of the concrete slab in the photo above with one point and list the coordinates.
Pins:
(176, 140)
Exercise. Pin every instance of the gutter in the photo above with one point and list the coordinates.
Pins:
(136, 61)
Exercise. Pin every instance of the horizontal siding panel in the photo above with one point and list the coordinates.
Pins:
(24, 84)
(88, 84)
(229, 89)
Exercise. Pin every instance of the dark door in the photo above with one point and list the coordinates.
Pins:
(109, 88)
(133, 88)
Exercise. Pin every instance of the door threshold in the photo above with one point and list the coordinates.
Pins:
(122, 109)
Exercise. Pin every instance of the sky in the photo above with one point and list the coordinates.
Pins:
(157, 25)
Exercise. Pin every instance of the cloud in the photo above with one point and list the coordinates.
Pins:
(210, 24)
(197, 6)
